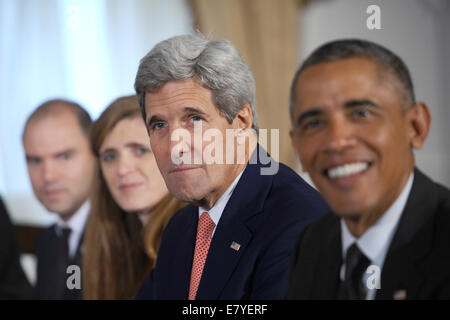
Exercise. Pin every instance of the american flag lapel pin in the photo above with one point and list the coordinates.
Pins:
(235, 246)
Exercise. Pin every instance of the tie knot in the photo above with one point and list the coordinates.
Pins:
(205, 226)
(355, 259)
(65, 232)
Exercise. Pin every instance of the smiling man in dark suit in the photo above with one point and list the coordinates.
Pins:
(235, 238)
(355, 125)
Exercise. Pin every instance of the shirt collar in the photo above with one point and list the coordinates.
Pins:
(375, 241)
(216, 211)
(77, 221)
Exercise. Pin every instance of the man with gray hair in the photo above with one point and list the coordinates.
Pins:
(234, 240)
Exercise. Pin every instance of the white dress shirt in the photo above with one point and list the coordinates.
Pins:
(76, 224)
(375, 241)
(216, 211)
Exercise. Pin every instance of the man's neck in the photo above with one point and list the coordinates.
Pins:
(211, 199)
(358, 224)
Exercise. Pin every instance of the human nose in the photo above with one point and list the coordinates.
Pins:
(340, 135)
(180, 143)
(124, 165)
(49, 171)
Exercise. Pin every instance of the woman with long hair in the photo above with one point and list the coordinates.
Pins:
(130, 206)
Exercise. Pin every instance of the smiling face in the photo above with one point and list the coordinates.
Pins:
(129, 167)
(353, 135)
(180, 105)
(60, 163)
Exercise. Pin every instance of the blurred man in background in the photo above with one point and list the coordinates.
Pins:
(61, 167)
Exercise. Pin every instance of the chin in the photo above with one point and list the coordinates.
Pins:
(187, 195)
(132, 208)
(350, 209)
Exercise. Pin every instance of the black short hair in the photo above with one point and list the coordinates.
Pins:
(354, 48)
(55, 105)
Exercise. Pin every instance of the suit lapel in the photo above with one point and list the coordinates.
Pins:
(327, 274)
(175, 270)
(409, 244)
(245, 203)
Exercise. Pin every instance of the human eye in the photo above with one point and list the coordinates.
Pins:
(311, 124)
(142, 150)
(64, 155)
(195, 118)
(108, 157)
(157, 126)
(361, 113)
(33, 160)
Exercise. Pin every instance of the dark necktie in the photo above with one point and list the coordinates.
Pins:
(63, 261)
(356, 264)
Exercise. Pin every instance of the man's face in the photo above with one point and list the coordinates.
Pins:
(352, 135)
(180, 105)
(60, 163)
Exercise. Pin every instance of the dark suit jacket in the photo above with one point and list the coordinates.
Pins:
(47, 282)
(418, 258)
(13, 282)
(264, 215)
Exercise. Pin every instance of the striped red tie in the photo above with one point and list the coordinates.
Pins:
(204, 233)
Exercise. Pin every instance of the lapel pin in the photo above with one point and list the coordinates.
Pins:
(400, 295)
(235, 246)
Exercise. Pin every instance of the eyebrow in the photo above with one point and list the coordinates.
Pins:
(68, 151)
(57, 154)
(308, 114)
(156, 118)
(29, 157)
(127, 145)
(354, 103)
(107, 150)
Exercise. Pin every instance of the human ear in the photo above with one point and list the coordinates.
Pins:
(244, 117)
(419, 120)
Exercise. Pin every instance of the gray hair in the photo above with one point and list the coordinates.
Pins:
(215, 63)
(356, 48)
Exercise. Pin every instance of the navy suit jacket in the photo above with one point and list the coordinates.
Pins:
(417, 262)
(48, 282)
(264, 215)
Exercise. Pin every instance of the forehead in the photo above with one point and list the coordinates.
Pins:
(176, 95)
(128, 130)
(346, 78)
(54, 133)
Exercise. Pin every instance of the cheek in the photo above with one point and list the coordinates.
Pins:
(387, 141)
(108, 173)
(152, 173)
(35, 176)
(306, 150)
(160, 155)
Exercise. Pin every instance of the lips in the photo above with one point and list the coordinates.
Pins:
(53, 193)
(183, 168)
(129, 186)
(347, 170)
